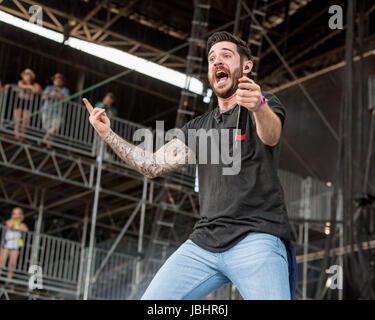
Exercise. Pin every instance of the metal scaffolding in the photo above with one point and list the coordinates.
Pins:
(91, 30)
(194, 62)
(161, 211)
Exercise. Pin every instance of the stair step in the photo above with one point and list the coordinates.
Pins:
(163, 243)
(259, 13)
(199, 59)
(197, 40)
(188, 93)
(165, 224)
(256, 27)
(201, 23)
(257, 43)
(204, 6)
(190, 113)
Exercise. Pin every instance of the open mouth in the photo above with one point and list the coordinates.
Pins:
(221, 77)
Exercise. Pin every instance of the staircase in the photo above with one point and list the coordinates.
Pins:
(255, 38)
(197, 45)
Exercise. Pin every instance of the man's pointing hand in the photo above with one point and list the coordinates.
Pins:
(98, 119)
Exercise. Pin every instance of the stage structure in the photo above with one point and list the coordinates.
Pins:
(156, 215)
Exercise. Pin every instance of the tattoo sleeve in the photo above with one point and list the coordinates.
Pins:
(169, 157)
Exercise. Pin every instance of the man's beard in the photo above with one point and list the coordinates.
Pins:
(237, 74)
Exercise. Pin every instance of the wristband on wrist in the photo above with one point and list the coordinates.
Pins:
(264, 101)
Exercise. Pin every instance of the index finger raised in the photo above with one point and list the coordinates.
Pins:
(88, 105)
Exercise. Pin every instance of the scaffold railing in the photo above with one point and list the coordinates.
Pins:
(59, 261)
(62, 267)
(74, 133)
(116, 281)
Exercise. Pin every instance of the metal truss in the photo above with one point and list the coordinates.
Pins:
(51, 168)
(160, 203)
(92, 30)
(195, 57)
(48, 169)
(255, 38)
(313, 241)
(303, 49)
(42, 162)
(311, 244)
(161, 218)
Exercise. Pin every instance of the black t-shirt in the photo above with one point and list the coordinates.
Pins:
(231, 206)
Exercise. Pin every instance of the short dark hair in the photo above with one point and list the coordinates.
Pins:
(242, 47)
(110, 95)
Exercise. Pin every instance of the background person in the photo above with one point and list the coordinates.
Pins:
(107, 104)
(110, 111)
(27, 89)
(52, 115)
(12, 240)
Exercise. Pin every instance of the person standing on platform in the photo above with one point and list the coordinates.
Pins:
(12, 241)
(243, 235)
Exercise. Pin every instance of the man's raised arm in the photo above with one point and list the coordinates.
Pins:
(169, 157)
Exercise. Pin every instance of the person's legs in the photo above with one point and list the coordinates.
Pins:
(258, 267)
(50, 132)
(3, 258)
(12, 263)
(51, 124)
(17, 124)
(190, 273)
(25, 121)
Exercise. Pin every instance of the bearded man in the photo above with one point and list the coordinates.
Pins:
(243, 235)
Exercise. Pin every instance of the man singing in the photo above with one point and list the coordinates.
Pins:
(243, 235)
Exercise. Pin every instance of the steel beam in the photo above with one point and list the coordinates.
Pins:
(91, 28)
(117, 241)
(306, 94)
(93, 223)
(35, 248)
(83, 248)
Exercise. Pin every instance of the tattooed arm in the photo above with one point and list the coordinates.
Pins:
(169, 157)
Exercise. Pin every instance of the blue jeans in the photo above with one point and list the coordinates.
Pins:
(257, 266)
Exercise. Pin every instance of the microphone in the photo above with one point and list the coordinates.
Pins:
(242, 119)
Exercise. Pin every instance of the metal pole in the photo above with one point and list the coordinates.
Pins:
(237, 18)
(35, 250)
(82, 256)
(93, 221)
(118, 239)
(143, 211)
(341, 260)
(141, 230)
(306, 207)
(291, 72)
(305, 252)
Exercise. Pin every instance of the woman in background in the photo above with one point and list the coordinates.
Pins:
(27, 88)
(12, 240)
